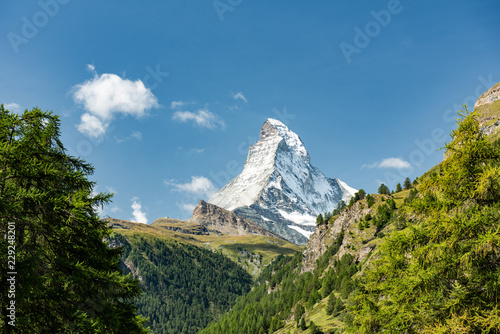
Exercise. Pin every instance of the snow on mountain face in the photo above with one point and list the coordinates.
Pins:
(278, 187)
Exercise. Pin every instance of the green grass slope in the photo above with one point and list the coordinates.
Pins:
(252, 252)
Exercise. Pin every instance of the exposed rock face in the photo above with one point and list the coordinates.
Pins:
(488, 97)
(487, 108)
(133, 270)
(279, 188)
(226, 222)
(326, 235)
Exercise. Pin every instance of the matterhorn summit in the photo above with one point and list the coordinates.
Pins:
(279, 188)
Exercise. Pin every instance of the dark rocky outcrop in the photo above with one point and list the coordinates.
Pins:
(226, 222)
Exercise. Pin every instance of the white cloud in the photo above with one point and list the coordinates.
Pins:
(92, 125)
(138, 213)
(202, 117)
(178, 104)
(199, 185)
(396, 163)
(91, 68)
(240, 96)
(14, 107)
(105, 96)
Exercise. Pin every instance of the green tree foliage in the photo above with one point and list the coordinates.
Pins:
(330, 307)
(68, 279)
(411, 196)
(360, 195)
(281, 288)
(384, 213)
(383, 190)
(313, 329)
(340, 206)
(299, 312)
(319, 219)
(398, 187)
(370, 200)
(407, 184)
(186, 287)
(441, 274)
(303, 325)
(327, 216)
(414, 183)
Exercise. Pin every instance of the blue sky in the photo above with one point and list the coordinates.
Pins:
(164, 98)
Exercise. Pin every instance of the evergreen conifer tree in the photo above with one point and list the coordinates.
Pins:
(407, 184)
(68, 279)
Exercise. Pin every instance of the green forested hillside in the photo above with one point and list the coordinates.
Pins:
(185, 287)
(282, 294)
(252, 252)
(189, 275)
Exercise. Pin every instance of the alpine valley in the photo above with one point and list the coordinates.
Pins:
(282, 248)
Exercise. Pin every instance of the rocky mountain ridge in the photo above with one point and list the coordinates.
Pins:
(488, 97)
(356, 242)
(487, 108)
(224, 221)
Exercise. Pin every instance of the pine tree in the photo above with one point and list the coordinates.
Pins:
(68, 279)
(361, 194)
(407, 184)
(383, 190)
(303, 325)
(319, 219)
(330, 307)
(398, 187)
(370, 200)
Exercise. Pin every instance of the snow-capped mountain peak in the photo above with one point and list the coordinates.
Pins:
(273, 127)
(279, 188)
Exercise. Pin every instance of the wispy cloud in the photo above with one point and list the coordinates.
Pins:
(195, 151)
(134, 135)
(188, 207)
(14, 107)
(199, 185)
(202, 118)
(107, 95)
(179, 104)
(137, 135)
(396, 163)
(115, 209)
(138, 212)
(239, 96)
